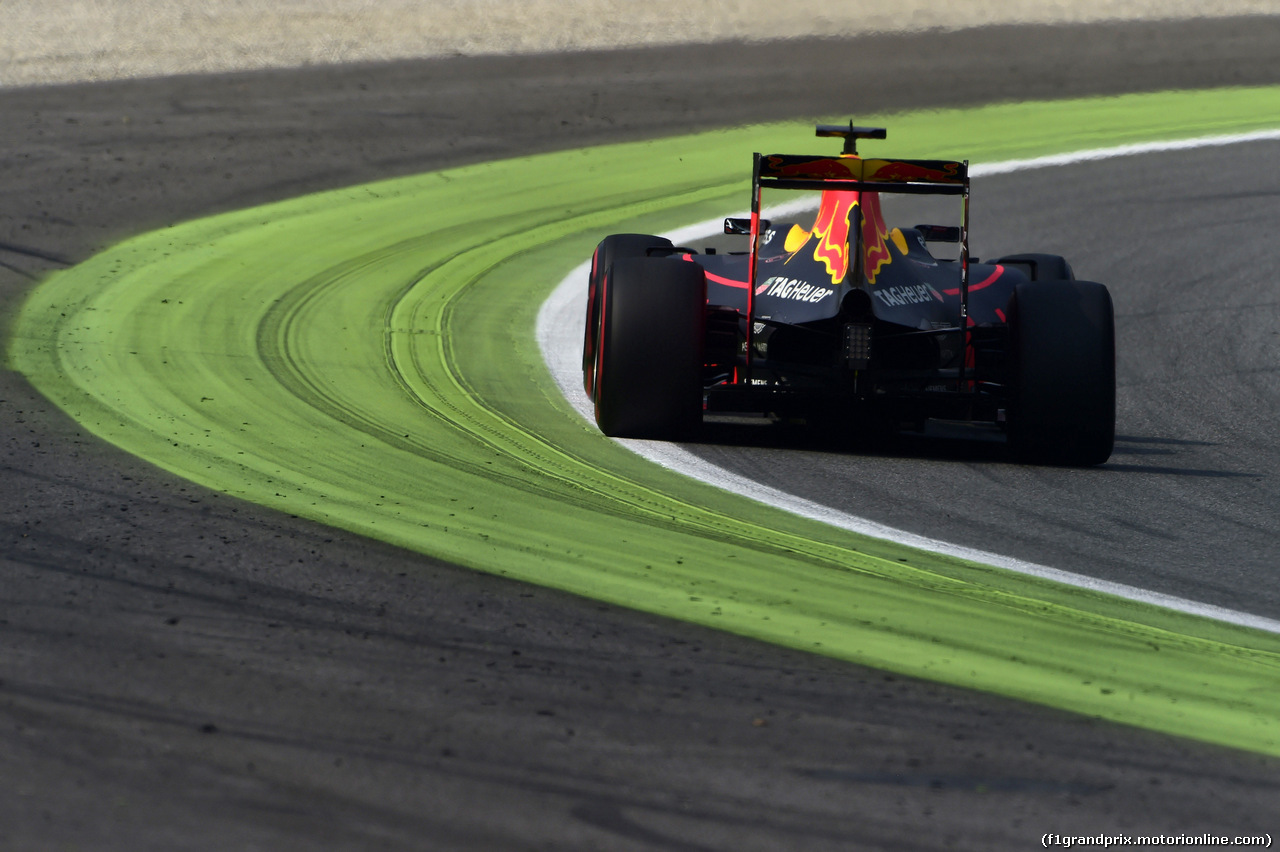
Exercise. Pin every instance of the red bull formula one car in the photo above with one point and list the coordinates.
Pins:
(850, 323)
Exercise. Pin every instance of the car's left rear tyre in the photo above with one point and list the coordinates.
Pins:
(611, 248)
(649, 351)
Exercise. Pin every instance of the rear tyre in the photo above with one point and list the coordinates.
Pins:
(648, 373)
(1062, 341)
(611, 248)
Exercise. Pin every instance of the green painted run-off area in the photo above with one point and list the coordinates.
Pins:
(366, 358)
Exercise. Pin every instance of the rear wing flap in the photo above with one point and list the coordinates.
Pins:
(794, 171)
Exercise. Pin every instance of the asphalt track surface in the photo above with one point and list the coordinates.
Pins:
(181, 670)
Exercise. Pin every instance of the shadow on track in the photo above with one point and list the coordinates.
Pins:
(940, 442)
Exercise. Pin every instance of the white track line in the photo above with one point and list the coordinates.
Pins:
(560, 337)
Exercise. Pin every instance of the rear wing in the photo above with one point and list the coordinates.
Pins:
(792, 171)
(851, 172)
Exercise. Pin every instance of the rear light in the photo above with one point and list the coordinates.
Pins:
(857, 346)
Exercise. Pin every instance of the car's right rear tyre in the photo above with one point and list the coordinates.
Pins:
(611, 248)
(648, 372)
(1062, 408)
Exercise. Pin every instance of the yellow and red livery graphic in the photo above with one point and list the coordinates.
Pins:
(831, 234)
(875, 237)
(912, 171)
(785, 166)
